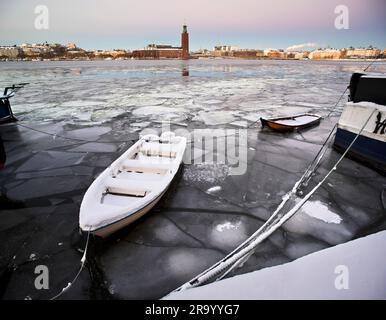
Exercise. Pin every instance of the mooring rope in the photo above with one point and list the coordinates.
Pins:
(82, 264)
(337, 103)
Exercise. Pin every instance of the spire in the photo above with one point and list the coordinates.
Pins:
(184, 29)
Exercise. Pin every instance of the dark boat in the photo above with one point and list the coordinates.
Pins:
(6, 114)
(291, 123)
(367, 102)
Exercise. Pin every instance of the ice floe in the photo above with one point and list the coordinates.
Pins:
(216, 117)
(319, 210)
(227, 226)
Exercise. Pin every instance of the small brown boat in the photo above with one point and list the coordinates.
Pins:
(291, 123)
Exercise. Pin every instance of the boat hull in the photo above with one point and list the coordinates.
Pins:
(106, 231)
(370, 151)
(368, 119)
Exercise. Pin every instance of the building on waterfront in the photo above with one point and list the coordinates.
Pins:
(328, 54)
(362, 53)
(185, 43)
(275, 54)
(10, 52)
(116, 54)
(163, 51)
(248, 54)
(223, 51)
(201, 53)
(226, 48)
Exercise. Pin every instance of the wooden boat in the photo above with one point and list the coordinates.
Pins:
(132, 184)
(291, 123)
(367, 102)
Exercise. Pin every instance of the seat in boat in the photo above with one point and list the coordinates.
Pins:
(158, 153)
(132, 188)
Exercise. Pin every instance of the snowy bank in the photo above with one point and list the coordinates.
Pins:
(359, 265)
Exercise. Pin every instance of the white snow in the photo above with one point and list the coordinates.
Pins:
(228, 234)
(298, 121)
(154, 110)
(227, 226)
(242, 124)
(319, 210)
(214, 189)
(33, 256)
(216, 117)
(311, 277)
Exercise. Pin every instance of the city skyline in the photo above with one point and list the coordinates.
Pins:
(245, 23)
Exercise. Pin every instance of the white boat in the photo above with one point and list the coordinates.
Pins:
(132, 184)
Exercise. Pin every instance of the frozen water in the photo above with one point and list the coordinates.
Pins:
(51, 159)
(80, 104)
(241, 124)
(44, 187)
(95, 147)
(207, 211)
(155, 110)
(88, 133)
(227, 226)
(216, 117)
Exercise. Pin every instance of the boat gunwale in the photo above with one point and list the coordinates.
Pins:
(292, 117)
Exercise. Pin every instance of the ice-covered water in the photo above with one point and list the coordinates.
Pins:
(208, 211)
(216, 91)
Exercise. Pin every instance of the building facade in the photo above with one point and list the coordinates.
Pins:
(10, 52)
(161, 51)
(369, 53)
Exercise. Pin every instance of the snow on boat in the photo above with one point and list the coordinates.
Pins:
(367, 98)
(292, 122)
(132, 184)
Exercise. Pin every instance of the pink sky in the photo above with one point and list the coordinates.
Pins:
(129, 23)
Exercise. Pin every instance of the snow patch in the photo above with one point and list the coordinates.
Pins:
(227, 226)
(214, 189)
(319, 210)
(216, 117)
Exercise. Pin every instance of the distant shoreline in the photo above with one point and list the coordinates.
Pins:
(195, 58)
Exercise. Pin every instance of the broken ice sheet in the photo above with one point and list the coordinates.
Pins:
(216, 117)
(50, 160)
(95, 147)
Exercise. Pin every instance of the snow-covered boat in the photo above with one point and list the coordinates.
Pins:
(132, 184)
(290, 123)
(367, 104)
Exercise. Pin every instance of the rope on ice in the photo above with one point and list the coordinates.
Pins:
(82, 264)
